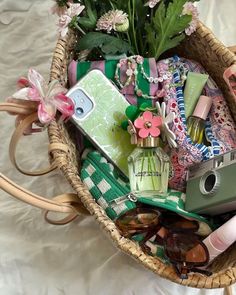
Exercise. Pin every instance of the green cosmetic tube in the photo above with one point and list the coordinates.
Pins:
(192, 91)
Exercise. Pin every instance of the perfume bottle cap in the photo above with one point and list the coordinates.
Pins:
(203, 107)
(149, 142)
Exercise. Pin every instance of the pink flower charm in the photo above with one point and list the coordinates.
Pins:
(66, 18)
(139, 59)
(50, 98)
(148, 125)
(129, 72)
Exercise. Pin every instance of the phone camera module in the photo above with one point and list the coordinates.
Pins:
(83, 104)
(79, 111)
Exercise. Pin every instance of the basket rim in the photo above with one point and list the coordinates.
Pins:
(220, 279)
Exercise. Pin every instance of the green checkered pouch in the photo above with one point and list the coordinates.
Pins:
(107, 187)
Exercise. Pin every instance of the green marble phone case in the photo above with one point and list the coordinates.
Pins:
(102, 124)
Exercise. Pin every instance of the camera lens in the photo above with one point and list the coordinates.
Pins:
(79, 111)
(209, 183)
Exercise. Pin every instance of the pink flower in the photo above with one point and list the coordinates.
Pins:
(190, 9)
(63, 24)
(60, 10)
(66, 18)
(75, 9)
(50, 98)
(112, 20)
(148, 125)
(152, 3)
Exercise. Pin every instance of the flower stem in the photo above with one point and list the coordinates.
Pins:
(79, 28)
(134, 33)
(128, 36)
(132, 28)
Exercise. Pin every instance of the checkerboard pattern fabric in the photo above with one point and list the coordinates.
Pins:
(105, 184)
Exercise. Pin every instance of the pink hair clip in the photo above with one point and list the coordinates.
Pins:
(49, 97)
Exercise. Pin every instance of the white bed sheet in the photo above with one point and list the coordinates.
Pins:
(38, 258)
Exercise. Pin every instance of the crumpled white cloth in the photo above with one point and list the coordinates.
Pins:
(37, 258)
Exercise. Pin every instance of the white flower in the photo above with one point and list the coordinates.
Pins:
(115, 20)
(190, 9)
(166, 133)
(66, 18)
(152, 3)
(63, 24)
(75, 9)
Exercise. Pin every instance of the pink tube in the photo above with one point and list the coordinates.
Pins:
(218, 241)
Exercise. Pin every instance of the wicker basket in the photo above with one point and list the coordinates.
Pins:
(203, 47)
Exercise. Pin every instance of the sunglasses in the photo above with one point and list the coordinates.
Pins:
(182, 246)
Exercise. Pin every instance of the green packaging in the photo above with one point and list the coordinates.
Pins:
(192, 91)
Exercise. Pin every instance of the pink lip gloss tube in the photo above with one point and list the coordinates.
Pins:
(218, 241)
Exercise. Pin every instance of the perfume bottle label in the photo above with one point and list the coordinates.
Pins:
(148, 173)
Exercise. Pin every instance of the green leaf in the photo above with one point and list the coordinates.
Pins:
(92, 14)
(107, 43)
(124, 125)
(132, 112)
(167, 27)
(90, 21)
(86, 23)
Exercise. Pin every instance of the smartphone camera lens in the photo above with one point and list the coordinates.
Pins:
(79, 111)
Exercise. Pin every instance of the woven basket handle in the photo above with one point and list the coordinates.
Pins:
(233, 49)
(66, 203)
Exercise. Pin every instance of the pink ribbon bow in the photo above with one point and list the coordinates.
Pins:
(50, 97)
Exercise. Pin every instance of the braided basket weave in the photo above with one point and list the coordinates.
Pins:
(202, 47)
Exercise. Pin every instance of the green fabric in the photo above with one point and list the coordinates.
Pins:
(82, 69)
(110, 68)
(105, 184)
(174, 201)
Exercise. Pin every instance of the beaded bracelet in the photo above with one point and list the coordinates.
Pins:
(134, 66)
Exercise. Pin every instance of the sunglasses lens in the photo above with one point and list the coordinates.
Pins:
(182, 248)
(179, 223)
(138, 219)
(197, 254)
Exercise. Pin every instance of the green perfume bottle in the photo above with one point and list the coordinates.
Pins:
(149, 168)
(196, 122)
